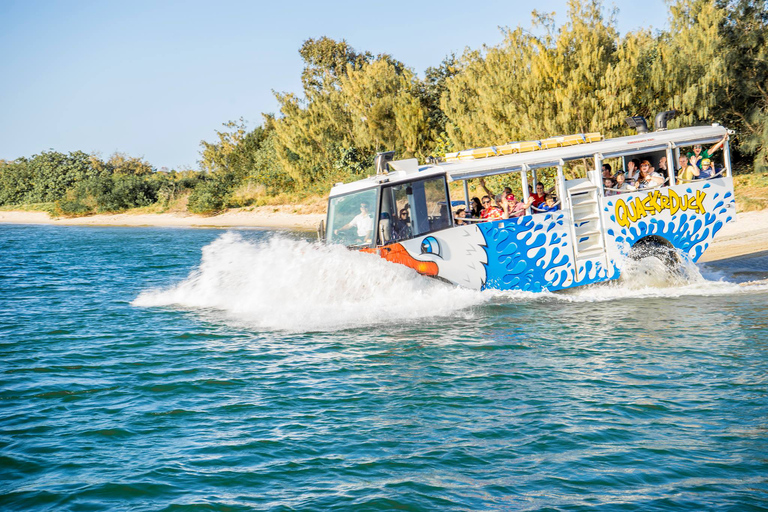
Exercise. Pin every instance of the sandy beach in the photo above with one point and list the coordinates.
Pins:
(748, 235)
(271, 217)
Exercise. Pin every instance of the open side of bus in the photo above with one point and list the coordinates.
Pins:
(412, 220)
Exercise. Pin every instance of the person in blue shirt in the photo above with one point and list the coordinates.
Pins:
(707, 169)
(549, 204)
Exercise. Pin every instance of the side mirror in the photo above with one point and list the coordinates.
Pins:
(321, 231)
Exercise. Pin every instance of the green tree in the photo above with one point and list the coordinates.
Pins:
(346, 115)
(745, 51)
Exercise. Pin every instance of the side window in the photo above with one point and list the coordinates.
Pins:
(412, 209)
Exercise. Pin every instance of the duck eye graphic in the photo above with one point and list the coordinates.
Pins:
(430, 245)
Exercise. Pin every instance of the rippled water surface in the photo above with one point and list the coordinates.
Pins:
(153, 369)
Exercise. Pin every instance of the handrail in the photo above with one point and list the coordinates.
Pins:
(635, 188)
(696, 178)
(545, 211)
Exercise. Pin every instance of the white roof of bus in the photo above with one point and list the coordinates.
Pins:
(609, 148)
(392, 177)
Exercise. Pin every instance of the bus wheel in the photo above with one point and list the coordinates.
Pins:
(657, 247)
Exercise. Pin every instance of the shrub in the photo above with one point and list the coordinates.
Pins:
(210, 195)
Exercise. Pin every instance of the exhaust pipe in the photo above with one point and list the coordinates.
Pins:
(638, 123)
(381, 162)
(660, 122)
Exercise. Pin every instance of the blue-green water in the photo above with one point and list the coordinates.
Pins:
(137, 372)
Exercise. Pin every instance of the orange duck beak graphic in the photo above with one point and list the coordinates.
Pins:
(396, 253)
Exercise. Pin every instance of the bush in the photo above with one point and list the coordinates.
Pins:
(71, 207)
(210, 195)
(126, 191)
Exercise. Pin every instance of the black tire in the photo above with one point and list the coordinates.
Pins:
(657, 247)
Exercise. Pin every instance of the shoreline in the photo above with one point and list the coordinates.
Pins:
(266, 217)
(747, 235)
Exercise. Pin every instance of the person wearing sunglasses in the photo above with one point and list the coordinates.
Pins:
(401, 228)
(649, 178)
(700, 154)
(490, 211)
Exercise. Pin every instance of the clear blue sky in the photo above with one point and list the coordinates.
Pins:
(154, 78)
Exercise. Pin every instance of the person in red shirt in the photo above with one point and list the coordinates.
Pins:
(490, 211)
(538, 197)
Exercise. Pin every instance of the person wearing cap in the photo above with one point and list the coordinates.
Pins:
(514, 208)
(701, 154)
(707, 169)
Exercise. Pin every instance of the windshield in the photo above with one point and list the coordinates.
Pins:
(350, 218)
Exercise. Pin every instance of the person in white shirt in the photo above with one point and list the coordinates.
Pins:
(363, 222)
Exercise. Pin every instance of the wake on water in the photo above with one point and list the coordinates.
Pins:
(282, 284)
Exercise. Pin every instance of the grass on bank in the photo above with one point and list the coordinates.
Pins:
(751, 190)
(48, 208)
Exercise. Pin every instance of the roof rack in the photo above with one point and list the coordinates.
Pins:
(523, 147)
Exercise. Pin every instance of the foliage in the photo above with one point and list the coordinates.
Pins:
(354, 105)
(710, 66)
(745, 96)
(210, 195)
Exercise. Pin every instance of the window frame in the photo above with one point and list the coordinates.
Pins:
(447, 198)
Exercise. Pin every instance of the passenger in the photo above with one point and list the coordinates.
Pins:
(707, 169)
(609, 186)
(490, 211)
(699, 155)
(649, 178)
(363, 221)
(690, 172)
(633, 169)
(607, 171)
(549, 204)
(538, 197)
(401, 227)
(514, 208)
(476, 208)
(507, 192)
(663, 170)
(459, 217)
(682, 164)
(621, 184)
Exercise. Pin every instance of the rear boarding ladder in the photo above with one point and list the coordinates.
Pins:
(586, 226)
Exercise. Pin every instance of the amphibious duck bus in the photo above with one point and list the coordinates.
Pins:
(405, 214)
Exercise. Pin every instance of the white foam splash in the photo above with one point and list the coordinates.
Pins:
(290, 285)
(282, 284)
(650, 277)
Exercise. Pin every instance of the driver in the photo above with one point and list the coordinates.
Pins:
(363, 221)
